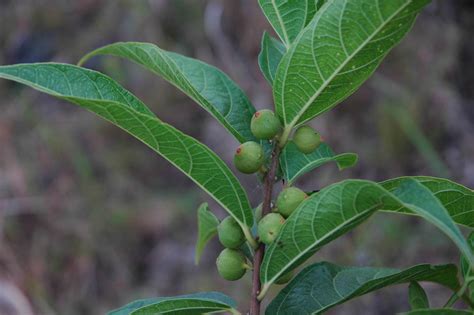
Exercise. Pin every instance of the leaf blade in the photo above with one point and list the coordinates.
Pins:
(299, 237)
(437, 311)
(206, 85)
(323, 285)
(207, 229)
(270, 56)
(295, 164)
(190, 156)
(420, 200)
(417, 296)
(457, 199)
(349, 53)
(339, 208)
(286, 17)
(200, 302)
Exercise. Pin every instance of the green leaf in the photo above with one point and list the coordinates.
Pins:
(321, 218)
(417, 296)
(207, 229)
(438, 311)
(323, 285)
(457, 199)
(199, 303)
(270, 56)
(339, 49)
(468, 271)
(289, 17)
(102, 96)
(294, 163)
(421, 201)
(465, 268)
(339, 208)
(205, 84)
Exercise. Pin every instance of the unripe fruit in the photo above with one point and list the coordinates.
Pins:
(265, 124)
(230, 234)
(249, 157)
(289, 199)
(231, 264)
(306, 139)
(284, 278)
(269, 226)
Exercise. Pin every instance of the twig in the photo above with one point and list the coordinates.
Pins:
(266, 208)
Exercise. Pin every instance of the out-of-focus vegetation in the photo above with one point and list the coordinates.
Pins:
(90, 219)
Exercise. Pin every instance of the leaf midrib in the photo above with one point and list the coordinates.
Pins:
(310, 164)
(175, 165)
(215, 307)
(135, 112)
(354, 218)
(193, 92)
(350, 57)
(305, 251)
(286, 40)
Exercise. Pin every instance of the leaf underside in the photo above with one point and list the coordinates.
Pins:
(205, 84)
(104, 97)
(295, 164)
(198, 303)
(417, 296)
(323, 285)
(438, 311)
(207, 229)
(289, 17)
(340, 207)
(339, 49)
(270, 56)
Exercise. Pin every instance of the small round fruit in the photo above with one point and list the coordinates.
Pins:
(284, 278)
(269, 226)
(265, 124)
(306, 139)
(231, 264)
(249, 157)
(289, 199)
(230, 234)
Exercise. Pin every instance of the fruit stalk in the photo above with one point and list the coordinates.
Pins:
(266, 208)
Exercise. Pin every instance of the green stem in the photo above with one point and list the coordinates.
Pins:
(285, 135)
(459, 294)
(266, 208)
(249, 237)
(234, 312)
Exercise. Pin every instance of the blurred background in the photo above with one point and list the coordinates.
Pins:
(91, 219)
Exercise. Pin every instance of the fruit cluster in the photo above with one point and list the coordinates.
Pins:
(250, 158)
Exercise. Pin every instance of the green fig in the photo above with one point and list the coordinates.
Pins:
(289, 199)
(306, 139)
(230, 234)
(284, 278)
(269, 226)
(231, 264)
(249, 157)
(265, 124)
